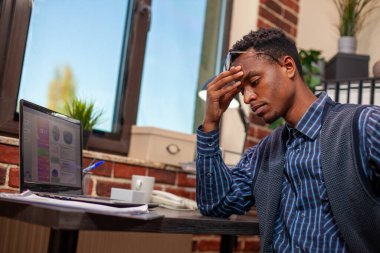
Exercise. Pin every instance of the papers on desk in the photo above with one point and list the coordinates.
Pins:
(31, 198)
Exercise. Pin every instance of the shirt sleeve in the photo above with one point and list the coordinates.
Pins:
(370, 140)
(222, 191)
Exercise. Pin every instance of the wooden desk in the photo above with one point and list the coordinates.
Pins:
(65, 223)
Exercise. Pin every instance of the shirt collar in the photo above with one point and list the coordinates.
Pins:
(310, 123)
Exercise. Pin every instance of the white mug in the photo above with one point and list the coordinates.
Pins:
(144, 184)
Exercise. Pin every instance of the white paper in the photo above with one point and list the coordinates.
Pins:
(30, 197)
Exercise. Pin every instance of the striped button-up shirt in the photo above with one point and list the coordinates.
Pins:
(304, 221)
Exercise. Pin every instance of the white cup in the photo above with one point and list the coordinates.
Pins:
(144, 184)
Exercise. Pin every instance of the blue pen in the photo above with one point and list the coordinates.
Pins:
(91, 167)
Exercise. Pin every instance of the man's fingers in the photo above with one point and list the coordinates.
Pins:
(229, 92)
(220, 82)
(227, 97)
(227, 73)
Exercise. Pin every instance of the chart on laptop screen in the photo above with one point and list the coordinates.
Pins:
(51, 149)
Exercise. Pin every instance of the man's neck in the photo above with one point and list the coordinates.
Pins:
(303, 99)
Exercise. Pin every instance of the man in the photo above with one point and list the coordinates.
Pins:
(314, 180)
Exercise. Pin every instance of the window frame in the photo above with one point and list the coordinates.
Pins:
(14, 23)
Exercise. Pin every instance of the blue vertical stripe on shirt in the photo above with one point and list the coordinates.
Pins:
(304, 221)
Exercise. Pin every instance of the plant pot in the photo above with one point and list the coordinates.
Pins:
(347, 45)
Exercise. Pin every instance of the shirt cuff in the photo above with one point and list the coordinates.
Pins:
(207, 143)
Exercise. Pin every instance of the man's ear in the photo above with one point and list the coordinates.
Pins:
(290, 66)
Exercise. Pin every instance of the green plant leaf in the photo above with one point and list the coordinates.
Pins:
(83, 111)
(276, 123)
(352, 14)
(309, 60)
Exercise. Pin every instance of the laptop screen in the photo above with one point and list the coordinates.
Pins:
(50, 150)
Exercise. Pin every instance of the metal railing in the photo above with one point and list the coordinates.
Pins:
(354, 91)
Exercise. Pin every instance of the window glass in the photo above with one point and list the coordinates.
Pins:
(74, 48)
(171, 66)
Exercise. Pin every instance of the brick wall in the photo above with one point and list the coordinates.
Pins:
(113, 173)
(282, 14)
(117, 171)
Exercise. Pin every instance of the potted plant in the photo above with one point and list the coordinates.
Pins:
(312, 67)
(352, 14)
(83, 111)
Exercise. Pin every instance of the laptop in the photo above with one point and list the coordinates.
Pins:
(51, 156)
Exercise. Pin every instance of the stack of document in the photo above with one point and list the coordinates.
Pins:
(31, 198)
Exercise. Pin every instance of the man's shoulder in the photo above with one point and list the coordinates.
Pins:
(359, 109)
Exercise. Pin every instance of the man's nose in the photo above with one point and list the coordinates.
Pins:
(249, 95)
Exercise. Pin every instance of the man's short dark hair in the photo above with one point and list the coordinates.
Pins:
(270, 41)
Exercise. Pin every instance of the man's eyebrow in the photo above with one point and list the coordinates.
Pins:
(249, 75)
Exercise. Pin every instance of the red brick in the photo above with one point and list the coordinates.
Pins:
(126, 171)
(86, 162)
(158, 187)
(208, 245)
(256, 120)
(251, 131)
(9, 154)
(274, 6)
(103, 188)
(291, 4)
(162, 176)
(186, 180)
(104, 170)
(252, 245)
(293, 32)
(240, 244)
(276, 20)
(9, 191)
(264, 13)
(250, 143)
(14, 177)
(261, 133)
(282, 25)
(262, 24)
(3, 174)
(179, 192)
(291, 17)
(192, 195)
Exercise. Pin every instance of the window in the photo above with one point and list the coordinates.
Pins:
(101, 46)
(181, 53)
(73, 49)
(98, 49)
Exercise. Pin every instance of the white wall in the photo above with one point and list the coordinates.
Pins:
(369, 38)
(317, 29)
(244, 19)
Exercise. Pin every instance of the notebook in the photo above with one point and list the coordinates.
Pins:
(51, 156)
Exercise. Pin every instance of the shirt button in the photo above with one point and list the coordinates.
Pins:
(208, 174)
(210, 144)
(302, 215)
(297, 151)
